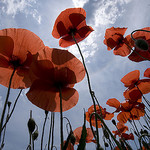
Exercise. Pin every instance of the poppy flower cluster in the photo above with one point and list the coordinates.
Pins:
(100, 111)
(137, 49)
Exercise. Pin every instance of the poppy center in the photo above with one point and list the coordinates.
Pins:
(72, 30)
(14, 62)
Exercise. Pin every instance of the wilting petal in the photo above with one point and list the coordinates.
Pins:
(131, 78)
(6, 46)
(45, 96)
(113, 102)
(147, 73)
(123, 116)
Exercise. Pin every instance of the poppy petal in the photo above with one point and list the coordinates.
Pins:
(6, 45)
(113, 102)
(43, 95)
(123, 117)
(144, 86)
(131, 78)
(147, 73)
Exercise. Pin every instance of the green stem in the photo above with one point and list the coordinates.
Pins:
(6, 101)
(90, 90)
(61, 119)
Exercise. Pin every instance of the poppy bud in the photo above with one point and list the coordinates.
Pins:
(72, 139)
(35, 135)
(114, 122)
(106, 144)
(106, 134)
(141, 44)
(31, 125)
(9, 103)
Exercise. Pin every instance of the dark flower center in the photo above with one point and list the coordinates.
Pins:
(14, 62)
(72, 31)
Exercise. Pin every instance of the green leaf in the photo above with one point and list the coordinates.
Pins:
(82, 141)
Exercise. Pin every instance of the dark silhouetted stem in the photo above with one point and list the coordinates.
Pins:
(61, 119)
(6, 101)
(90, 90)
(46, 112)
(12, 110)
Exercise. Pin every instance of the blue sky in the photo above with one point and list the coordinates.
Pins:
(104, 67)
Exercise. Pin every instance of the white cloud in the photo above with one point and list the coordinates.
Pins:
(13, 7)
(79, 3)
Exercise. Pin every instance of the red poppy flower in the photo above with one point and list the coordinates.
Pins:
(136, 87)
(114, 40)
(70, 21)
(138, 54)
(132, 111)
(147, 73)
(127, 110)
(89, 137)
(56, 69)
(16, 49)
(126, 136)
(121, 128)
(106, 115)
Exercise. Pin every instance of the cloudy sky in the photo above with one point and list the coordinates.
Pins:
(105, 69)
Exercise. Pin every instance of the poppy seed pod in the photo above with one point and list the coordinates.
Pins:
(114, 122)
(35, 135)
(141, 44)
(31, 125)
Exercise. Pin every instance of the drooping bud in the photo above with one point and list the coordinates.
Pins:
(35, 135)
(31, 125)
(9, 103)
(114, 122)
(106, 144)
(141, 44)
(72, 139)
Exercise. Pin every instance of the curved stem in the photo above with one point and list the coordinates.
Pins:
(67, 124)
(43, 129)
(136, 31)
(6, 101)
(90, 90)
(136, 52)
(61, 119)
(12, 110)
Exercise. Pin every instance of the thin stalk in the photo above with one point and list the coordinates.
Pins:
(50, 129)
(90, 90)
(12, 110)
(53, 131)
(118, 144)
(43, 129)
(6, 101)
(61, 119)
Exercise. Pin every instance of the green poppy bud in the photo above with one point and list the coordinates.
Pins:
(31, 125)
(35, 135)
(72, 139)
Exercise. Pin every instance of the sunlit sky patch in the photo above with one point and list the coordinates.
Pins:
(104, 67)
